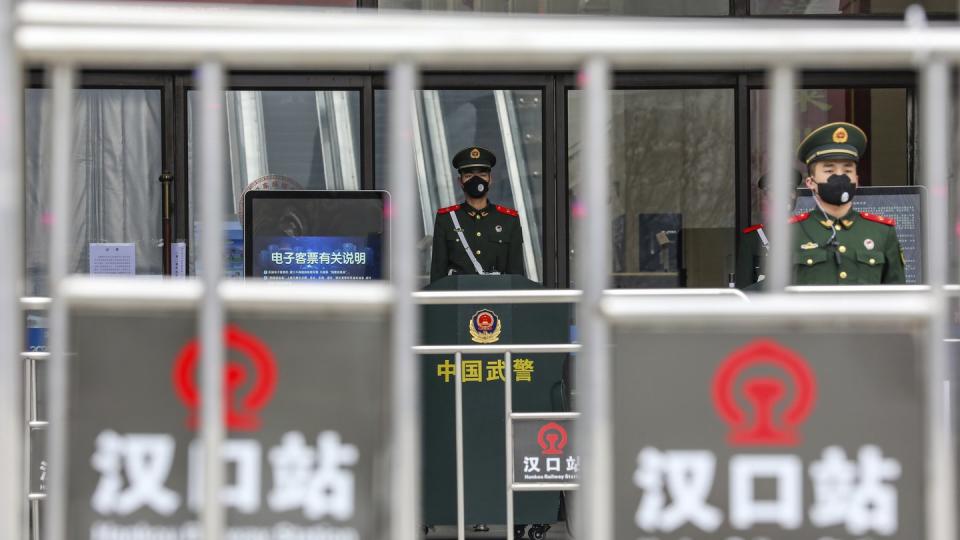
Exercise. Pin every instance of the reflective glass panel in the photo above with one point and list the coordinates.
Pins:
(509, 123)
(672, 194)
(847, 7)
(283, 139)
(663, 8)
(115, 164)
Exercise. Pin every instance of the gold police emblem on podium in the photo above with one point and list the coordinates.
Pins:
(485, 327)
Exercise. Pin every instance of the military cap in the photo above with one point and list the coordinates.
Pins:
(837, 140)
(474, 156)
(797, 178)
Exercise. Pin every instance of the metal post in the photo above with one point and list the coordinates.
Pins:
(935, 103)
(508, 422)
(13, 507)
(781, 81)
(593, 272)
(61, 80)
(211, 83)
(405, 323)
(458, 419)
(166, 221)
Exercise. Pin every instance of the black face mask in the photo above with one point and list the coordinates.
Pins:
(837, 190)
(476, 187)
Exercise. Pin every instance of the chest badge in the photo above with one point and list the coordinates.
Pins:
(485, 327)
(498, 228)
(809, 245)
(868, 243)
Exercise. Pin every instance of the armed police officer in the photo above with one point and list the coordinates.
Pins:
(833, 244)
(476, 236)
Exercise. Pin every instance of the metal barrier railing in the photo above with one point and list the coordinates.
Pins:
(32, 419)
(65, 36)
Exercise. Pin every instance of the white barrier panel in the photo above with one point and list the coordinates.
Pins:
(305, 413)
(770, 420)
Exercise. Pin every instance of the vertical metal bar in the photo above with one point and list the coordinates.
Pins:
(35, 520)
(28, 416)
(781, 81)
(508, 437)
(405, 323)
(458, 416)
(211, 82)
(935, 107)
(61, 80)
(30, 408)
(592, 217)
(13, 507)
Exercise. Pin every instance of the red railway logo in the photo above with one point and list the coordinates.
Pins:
(241, 411)
(772, 423)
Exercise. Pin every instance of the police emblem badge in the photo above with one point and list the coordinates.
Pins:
(475, 153)
(840, 136)
(485, 327)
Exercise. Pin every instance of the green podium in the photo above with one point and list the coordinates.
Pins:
(538, 386)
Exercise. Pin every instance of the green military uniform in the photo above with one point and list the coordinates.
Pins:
(754, 248)
(754, 244)
(492, 234)
(857, 249)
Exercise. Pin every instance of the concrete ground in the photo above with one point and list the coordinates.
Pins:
(558, 531)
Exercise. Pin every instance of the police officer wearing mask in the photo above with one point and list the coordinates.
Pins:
(476, 236)
(833, 244)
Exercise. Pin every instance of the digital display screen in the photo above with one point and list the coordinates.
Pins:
(314, 235)
(904, 204)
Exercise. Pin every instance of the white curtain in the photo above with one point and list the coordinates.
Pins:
(116, 161)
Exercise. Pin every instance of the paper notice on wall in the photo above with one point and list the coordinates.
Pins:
(116, 259)
(179, 259)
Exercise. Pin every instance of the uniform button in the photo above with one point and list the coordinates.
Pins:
(837, 227)
(478, 233)
(843, 275)
(809, 262)
(872, 262)
(842, 249)
(478, 252)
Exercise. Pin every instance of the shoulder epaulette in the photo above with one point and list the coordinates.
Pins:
(507, 211)
(448, 209)
(752, 228)
(879, 219)
(799, 217)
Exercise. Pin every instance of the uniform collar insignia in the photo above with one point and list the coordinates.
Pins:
(827, 223)
(484, 214)
(847, 223)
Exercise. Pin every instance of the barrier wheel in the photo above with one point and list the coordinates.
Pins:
(519, 531)
(538, 532)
